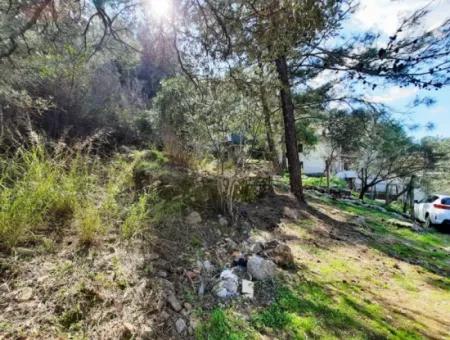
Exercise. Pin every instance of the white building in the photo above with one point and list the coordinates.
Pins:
(314, 161)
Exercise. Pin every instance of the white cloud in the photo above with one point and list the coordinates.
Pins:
(394, 94)
(386, 15)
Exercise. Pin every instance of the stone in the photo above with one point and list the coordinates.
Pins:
(358, 221)
(230, 244)
(248, 289)
(257, 247)
(24, 294)
(290, 213)
(194, 322)
(227, 286)
(173, 302)
(187, 306)
(193, 218)
(260, 268)
(25, 252)
(127, 331)
(416, 227)
(166, 285)
(223, 222)
(282, 255)
(151, 257)
(180, 325)
(146, 332)
(207, 267)
(162, 274)
(164, 315)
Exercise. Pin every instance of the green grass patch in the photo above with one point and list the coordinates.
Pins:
(223, 324)
(429, 248)
(310, 310)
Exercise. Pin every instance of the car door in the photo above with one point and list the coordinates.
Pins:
(426, 206)
(417, 209)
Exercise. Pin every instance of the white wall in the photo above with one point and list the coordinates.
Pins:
(314, 160)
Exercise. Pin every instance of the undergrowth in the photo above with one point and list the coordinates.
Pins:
(45, 191)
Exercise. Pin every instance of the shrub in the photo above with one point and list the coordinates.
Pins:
(88, 222)
(39, 189)
(136, 218)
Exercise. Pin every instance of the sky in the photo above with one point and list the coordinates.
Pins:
(384, 16)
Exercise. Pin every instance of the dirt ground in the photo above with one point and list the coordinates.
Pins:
(117, 290)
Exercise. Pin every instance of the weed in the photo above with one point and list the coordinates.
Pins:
(88, 222)
(224, 325)
(136, 218)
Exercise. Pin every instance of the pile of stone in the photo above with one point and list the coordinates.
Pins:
(256, 261)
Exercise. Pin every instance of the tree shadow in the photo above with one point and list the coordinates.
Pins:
(329, 313)
(414, 250)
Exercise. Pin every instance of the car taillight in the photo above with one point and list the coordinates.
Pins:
(442, 206)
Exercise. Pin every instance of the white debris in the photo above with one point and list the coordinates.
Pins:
(248, 288)
(227, 286)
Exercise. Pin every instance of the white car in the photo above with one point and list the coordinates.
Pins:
(433, 210)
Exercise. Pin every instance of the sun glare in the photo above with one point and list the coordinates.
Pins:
(160, 8)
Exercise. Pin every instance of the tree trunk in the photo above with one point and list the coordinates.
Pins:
(363, 191)
(364, 186)
(283, 167)
(287, 107)
(327, 170)
(411, 196)
(269, 132)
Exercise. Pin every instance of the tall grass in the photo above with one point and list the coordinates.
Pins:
(137, 216)
(41, 190)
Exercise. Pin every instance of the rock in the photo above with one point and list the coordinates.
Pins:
(260, 268)
(166, 285)
(25, 252)
(399, 223)
(125, 149)
(194, 322)
(187, 306)
(193, 218)
(281, 255)
(141, 290)
(173, 302)
(162, 274)
(290, 213)
(206, 267)
(127, 331)
(256, 247)
(146, 332)
(223, 222)
(416, 227)
(24, 294)
(248, 288)
(180, 325)
(164, 315)
(227, 286)
(201, 288)
(230, 244)
(151, 257)
(359, 221)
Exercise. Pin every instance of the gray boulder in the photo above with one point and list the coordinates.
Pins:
(193, 218)
(260, 268)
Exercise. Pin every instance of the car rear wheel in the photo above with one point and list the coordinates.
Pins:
(428, 223)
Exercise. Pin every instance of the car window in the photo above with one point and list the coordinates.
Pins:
(431, 199)
(446, 201)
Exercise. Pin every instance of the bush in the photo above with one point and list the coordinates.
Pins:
(41, 190)
(136, 218)
(88, 222)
